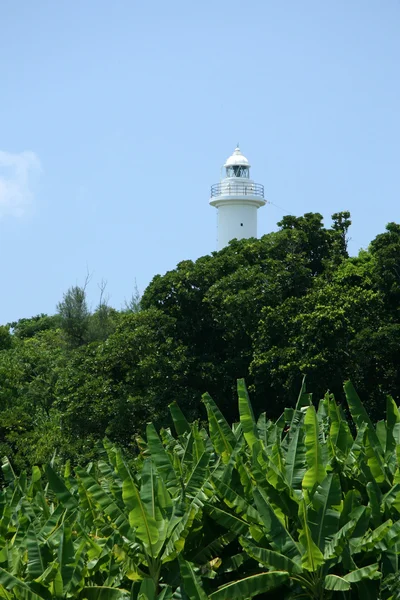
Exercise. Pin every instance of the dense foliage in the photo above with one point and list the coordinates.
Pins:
(307, 506)
(268, 310)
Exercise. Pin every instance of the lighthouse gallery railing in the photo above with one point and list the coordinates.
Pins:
(225, 188)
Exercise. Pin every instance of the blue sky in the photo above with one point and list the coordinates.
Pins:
(115, 118)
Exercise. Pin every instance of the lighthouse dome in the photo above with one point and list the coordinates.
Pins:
(237, 159)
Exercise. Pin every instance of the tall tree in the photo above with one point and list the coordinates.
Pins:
(74, 314)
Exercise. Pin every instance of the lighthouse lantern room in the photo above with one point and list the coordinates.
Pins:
(237, 199)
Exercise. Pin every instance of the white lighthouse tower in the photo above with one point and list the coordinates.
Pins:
(237, 199)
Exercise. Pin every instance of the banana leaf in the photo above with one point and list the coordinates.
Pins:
(272, 560)
(60, 489)
(191, 583)
(227, 520)
(247, 420)
(280, 538)
(253, 585)
(324, 516)
(316, 471)
(295, 460)
(180, 423)
(162, 460)
(105, 502)
(312, 557)
(221, 433)
(149, 529)
(103, 593)
(10, 583)
(198, 476)
(36, 562)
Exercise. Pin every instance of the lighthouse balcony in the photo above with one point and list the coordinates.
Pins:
(237, 189)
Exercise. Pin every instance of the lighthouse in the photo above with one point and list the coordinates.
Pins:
(237, 199)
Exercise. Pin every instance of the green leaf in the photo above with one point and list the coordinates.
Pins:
(375, 457)
(357, 449)
(274, 529)
(60, 489)
(316, 471)
(76, 576)
(324, 516)
(213, 547)
(392, 498)
(230, 522)
(147, 589)
(192, 585)
(251, 586)
(352, 500)
(36, 474)
(304, 399)
(359, 414)
(272, 560)
(392, 412)
(295, 466)
(392, 435)
(375, 499)
(336, 583)
(179, 527)
(369, 572)
(8, 471)
(370, 540)
(66, 555)
(233, 499)
(198, 476)
(155, 496)
(340, 437)
(35, 560)
(103, 593)
(56, 586)
(165, 594)
(161, 459)
(247, 420)
(362, 516)
(145, 525)
(180, 423)
(337, 544)
(221, 434)
(52, 523)
(10, 583)
(312, 557)
(105, 501)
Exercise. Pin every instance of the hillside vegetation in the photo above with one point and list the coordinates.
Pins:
(268, 310)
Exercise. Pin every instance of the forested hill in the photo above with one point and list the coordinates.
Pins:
(268, 310)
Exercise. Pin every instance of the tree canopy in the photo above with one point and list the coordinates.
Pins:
(292, 303)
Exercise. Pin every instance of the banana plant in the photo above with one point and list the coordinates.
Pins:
(310, 517)
(307, 506)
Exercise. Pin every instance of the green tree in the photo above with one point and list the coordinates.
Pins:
(134, 304)
(74, 315)
(385, 250)
(104, 320)
(25, 328)
(340, 226)
(218, 301)
(114, 388)
(317, 335)
(5, 338)
(28, 376)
